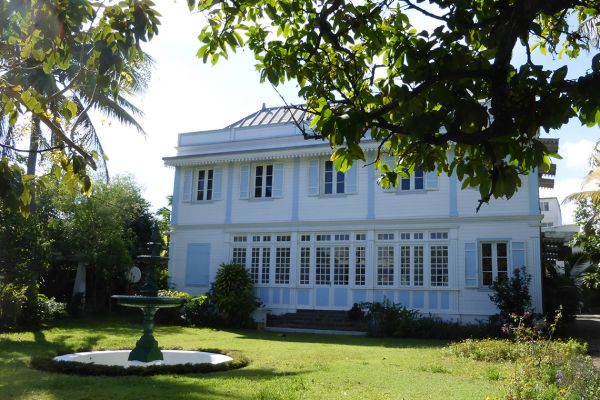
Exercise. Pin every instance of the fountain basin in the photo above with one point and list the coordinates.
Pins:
(145, 301)
(118, 358)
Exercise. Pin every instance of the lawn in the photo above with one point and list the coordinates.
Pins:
(290, 366)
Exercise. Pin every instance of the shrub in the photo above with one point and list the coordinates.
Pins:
(231, 293)
(12, 300)
(544, 368)
(174, 315)
(512, 295)
(49, 309)
(390, 319)
(395, 320)
(199, 311)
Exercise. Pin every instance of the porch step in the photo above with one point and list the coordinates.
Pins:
(317, 320)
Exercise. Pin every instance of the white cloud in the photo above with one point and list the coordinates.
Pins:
(576, 154)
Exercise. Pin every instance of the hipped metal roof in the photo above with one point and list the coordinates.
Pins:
(273, 115)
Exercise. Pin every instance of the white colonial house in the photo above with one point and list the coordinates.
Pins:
(258, 194)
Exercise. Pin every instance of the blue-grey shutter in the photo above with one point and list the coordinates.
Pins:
(518, 254)
(244, 181)
(313, 178)
(431, 180)
(217, 183)
(187, 185)
(471, 265)
(278, 180)
(197, 265)
(350, 179)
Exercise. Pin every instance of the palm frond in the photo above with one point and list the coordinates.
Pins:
(593, 195)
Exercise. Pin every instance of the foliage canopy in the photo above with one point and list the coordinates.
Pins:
(457, 87)
(57, 60)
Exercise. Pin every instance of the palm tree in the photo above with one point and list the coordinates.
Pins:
(592, 178)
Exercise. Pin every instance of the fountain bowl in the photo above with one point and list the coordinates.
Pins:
(118, 358)
(143, 301)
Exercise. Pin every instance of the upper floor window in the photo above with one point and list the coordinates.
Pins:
(324, 179)
(545, 206)
(418, 180)
(414, 181)
(494, 261)
(204, 188)
(333, 181)
(261, 181)
(201, 184)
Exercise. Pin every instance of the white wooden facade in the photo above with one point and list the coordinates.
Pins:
(263, 196)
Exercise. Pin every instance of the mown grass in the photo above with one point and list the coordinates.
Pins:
(290, 366)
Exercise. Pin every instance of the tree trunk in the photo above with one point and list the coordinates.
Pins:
(32, 158)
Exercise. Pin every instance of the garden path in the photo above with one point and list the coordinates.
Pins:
(588, 327)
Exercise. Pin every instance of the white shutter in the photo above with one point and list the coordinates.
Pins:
(278, 180)
(351, 178)
(187, 186)
(217, 182)
(313, 178)
(244, 181)
(431, 180)
(471, 280)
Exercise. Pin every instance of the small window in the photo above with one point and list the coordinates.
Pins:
(545, 206)
(284, 238)
(385, 236)
(342, 237)
(240, 238)
(418, 236)
(256, 238)
(360, 237)
(323, 238)
(266, 238)
(438, 235)
(404, 236)
(305, 238)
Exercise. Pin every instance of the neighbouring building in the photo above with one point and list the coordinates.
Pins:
(257, 193)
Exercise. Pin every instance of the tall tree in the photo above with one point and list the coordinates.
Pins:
(58, 59)
(456, 88)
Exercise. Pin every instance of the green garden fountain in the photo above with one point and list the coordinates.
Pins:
(146, 353)
(146, 349)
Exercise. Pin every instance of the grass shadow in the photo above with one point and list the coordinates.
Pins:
(340, 339)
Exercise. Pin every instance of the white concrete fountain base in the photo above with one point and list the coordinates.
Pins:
(118, 358)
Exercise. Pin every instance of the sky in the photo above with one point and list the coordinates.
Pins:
(187, 95)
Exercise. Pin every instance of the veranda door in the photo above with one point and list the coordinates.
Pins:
(332, 277)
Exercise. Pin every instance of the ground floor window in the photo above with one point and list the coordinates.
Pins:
(494, 261)
(385, 265)
(396, 259)
(439, 265)
(282, 265)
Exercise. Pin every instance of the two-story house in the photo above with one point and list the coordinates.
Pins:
(258, 194)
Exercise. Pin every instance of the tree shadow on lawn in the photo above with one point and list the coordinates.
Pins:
(40, 345)
(341, 339)
(25, 385)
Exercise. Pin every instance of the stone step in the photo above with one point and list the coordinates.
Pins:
(317, 320)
